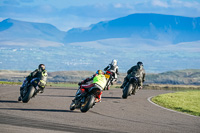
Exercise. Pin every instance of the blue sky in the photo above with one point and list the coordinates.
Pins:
(67, 14)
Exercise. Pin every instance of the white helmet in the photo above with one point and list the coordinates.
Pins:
(114, 62)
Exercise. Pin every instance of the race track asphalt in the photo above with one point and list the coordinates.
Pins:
(49, 113)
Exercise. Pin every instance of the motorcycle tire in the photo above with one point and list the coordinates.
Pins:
(134, 90)
(28, 94)
(107, 85)
(108, 88)
(89, 102)
(127, 91)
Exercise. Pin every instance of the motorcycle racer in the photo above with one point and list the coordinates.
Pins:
(38, 74)
(98, 80)
(135, 71)
(113, 67)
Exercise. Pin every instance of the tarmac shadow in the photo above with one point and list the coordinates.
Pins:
(54, 96)
(42, 110)
(8, 101)
(111, 97)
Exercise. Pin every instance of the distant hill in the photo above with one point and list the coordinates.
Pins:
(189, 76)
(20, 33)
(166, 28)
(181, 77)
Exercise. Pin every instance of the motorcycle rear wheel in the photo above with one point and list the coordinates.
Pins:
(89, 101)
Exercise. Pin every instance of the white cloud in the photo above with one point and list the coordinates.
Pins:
(160, 3)
(188, 4)
(118, 5)
(192, 5)
(46, 8)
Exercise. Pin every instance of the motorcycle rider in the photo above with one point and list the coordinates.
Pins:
(112, 67)
(135, 71)
(98, 80)
(39, 74)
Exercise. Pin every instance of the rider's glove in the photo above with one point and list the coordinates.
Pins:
(140, 87)
(79, 83)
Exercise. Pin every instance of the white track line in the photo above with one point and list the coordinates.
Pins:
(149, 99)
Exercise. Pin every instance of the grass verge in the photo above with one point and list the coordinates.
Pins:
(53, 84)
(72, 85)
(187, 102)
(171, 87)
(10, 83)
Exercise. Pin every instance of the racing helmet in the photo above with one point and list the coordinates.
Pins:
(140, 65)
(41, 67)
(114, 62)
(99, 72)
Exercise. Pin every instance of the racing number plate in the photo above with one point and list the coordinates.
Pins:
(107, 76)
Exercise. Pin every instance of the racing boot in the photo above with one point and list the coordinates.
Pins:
(41, 90)
(97, 100)
(19, 98)
(122, 86)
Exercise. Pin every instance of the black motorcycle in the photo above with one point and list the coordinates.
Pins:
(109, 78)
(130, 88)
(85, 98)
(30, 90)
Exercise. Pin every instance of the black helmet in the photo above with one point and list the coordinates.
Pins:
(139, 64)
(41, 67)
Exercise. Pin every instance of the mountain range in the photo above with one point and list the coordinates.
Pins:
(168, 28)
(162, 42)
(172, 29)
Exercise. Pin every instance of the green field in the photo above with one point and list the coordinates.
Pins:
(53, 84)
(187, 102)
(10, 83)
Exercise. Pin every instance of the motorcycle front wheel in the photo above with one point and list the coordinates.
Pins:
(28, 94)
(134, 89)
(107, 85)
(89, 101)
(127, 91)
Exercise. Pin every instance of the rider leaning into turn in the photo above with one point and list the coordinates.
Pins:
(112, 67)
(40, 74)
(135, 71)
(98, 80)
